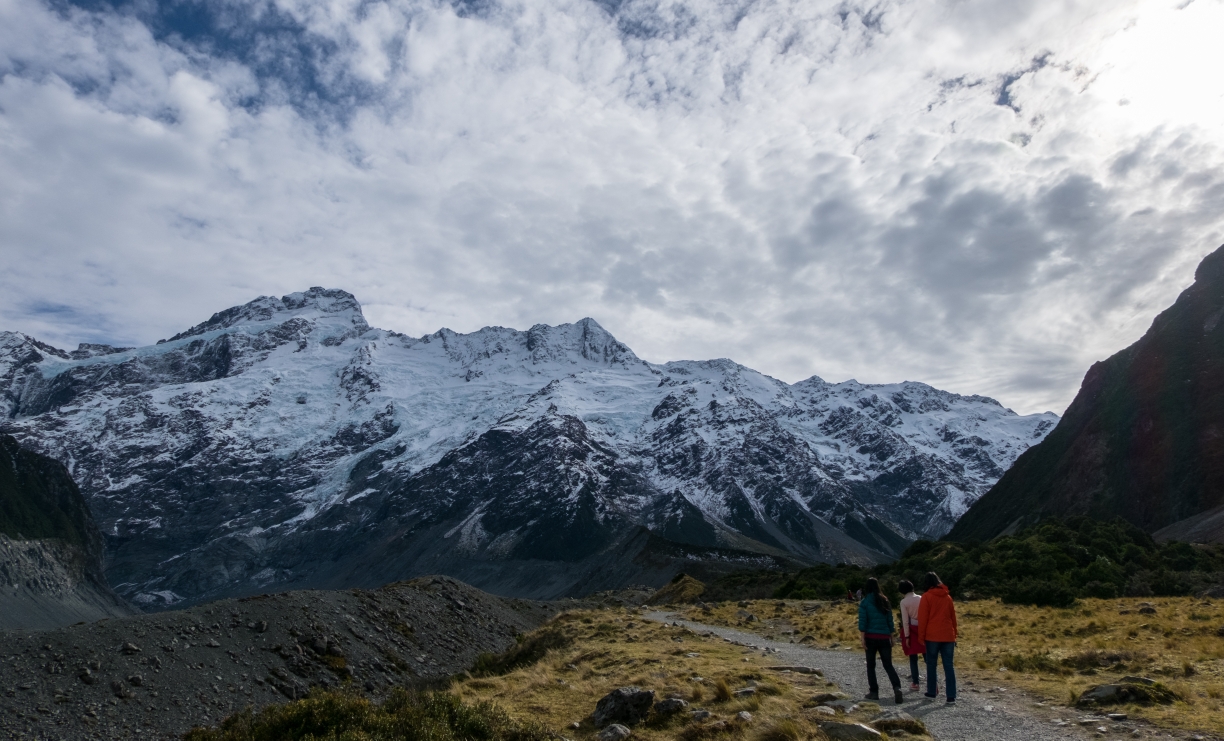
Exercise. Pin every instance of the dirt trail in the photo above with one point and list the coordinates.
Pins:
(980, 714)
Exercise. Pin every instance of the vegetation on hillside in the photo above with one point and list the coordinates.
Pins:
(1052, 563)
(405, 715)
(38, 498)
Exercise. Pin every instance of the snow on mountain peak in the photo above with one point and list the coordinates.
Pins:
(314, 303)
(285, 430)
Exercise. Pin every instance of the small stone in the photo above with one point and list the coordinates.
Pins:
(1117, 716)
(575, 726)
(744, 716)
(825, 710)
(700, 715)
(1147, 610)
(614, 732)
(130, 648)
(670, 706)
(212, 643)
(136, 680)
(261, 626)
(87, 676)
(745, 692)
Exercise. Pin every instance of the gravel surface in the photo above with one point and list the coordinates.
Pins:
(980, 713)
(155, 676)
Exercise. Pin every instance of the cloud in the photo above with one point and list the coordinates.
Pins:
(920, 190)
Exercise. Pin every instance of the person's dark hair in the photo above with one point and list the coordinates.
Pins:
(931, 581)
(905, 587)
(872, 588)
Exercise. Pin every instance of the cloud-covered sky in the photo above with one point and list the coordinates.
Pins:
(987, 196)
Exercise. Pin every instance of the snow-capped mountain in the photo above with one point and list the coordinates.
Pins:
(287, 443)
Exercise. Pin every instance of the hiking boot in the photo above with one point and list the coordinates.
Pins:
(898, 695)
(872, 696)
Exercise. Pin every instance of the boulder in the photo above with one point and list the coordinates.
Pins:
(627, 705)
(744, 716)
(1138, 690)
(850, 732)
(670, 706)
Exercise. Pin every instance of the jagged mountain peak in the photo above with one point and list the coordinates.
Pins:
(566, 345)
(260, 448)
(315, 302)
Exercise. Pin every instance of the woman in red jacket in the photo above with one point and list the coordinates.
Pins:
(937, 629)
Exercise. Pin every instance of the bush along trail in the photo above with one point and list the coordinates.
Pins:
(1127, 666)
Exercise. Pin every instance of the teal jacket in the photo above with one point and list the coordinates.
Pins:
(874, 620)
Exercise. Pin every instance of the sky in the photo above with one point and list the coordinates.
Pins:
(985, 196)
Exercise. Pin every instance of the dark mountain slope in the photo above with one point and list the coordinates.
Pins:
(50, 549)
(1143, 439)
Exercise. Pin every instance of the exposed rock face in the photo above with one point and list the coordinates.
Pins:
(285, 443)
(1143, 439)
(50, 549)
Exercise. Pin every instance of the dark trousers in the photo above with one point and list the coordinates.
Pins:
(936, 650)
(913, 668)
(883, 647)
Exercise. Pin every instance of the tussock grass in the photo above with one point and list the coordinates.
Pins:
(405, 715)
(562, 688)
(1053, 653)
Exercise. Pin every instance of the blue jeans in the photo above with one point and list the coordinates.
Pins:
(934, 651)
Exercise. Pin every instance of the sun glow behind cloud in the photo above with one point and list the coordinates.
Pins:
(938, 191)
(1162, 68)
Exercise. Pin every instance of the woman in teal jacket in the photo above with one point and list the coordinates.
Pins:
(875, 622)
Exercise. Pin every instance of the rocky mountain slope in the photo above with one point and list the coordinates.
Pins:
(156, 676)
(1143, 439)
(50, 549)
(287, 443)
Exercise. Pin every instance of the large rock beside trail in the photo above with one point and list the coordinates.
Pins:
(627, 705)
(850, 732)
(1138, 690)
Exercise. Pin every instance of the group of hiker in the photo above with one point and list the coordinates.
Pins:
(928, 628)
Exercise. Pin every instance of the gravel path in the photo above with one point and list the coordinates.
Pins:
(994, 714)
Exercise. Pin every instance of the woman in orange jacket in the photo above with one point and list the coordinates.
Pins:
(937, 629)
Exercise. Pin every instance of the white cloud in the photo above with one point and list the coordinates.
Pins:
(938, 191)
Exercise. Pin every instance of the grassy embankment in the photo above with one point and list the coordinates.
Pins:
(553, 680)
(1053, 653)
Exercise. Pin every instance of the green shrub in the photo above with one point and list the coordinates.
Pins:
(528, 650)
(1040, 592)
(405, 715)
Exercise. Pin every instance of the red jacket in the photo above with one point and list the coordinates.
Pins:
(937, 616)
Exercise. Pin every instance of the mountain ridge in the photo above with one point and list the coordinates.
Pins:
(259, 447)
(1144, 437)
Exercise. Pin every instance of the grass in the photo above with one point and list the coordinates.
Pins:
(405, 715)
(552, 679)
(610, 649)
(1052, 653)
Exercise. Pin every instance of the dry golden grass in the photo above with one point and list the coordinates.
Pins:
(1052, 653)
(612, 649)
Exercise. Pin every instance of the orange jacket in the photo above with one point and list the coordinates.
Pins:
(937, 616)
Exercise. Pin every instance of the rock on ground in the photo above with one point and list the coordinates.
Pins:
(156, 676)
